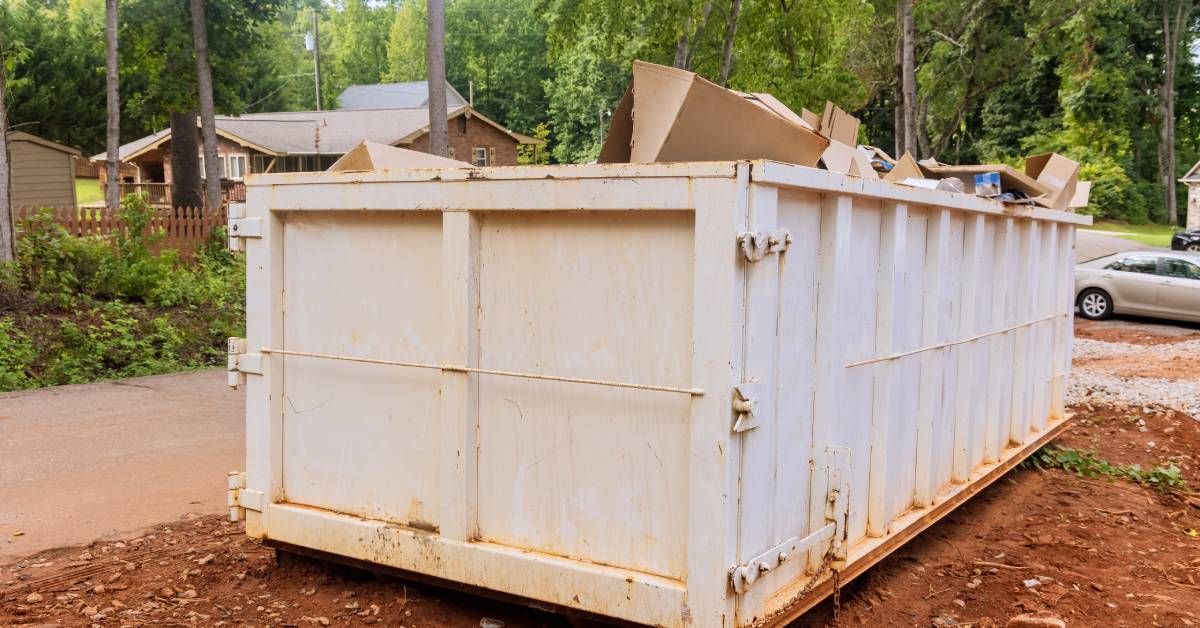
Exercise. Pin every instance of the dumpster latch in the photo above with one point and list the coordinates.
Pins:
(756, 245)
(241, 498)
(238, 226)
(745, 405)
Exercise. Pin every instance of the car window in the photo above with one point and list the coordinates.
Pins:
(1173, 267)
(1147, 265)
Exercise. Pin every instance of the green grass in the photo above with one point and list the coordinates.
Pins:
(88, 191)
(1151, 234)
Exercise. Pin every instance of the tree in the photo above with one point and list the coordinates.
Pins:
(112, 163)
(908, 77)
(1179, 11)
(406, 43)
(8, 236)
(731, 24)
(208, 125)
(436, 61)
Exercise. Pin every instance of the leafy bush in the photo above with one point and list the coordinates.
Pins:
(78, 309)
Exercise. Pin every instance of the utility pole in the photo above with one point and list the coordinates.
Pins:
(435, 50)
(112, 163)
(8, 236)
(317, 57)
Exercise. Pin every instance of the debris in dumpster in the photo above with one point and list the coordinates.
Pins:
(376, 156)
(906, 168)
(674, 115)
(838, 125)
(987, 184)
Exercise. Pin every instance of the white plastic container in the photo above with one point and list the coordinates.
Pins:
(676, 394)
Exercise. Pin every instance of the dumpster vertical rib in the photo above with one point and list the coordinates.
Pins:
(832, 260)
(459, 425)
(998, 374)
(972, 263)
(720, 213)
(893, 238)
(1063, 304)
(1018, 421)
(1047, 331)
(936, 244)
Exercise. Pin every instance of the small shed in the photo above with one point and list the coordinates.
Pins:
(43, 173)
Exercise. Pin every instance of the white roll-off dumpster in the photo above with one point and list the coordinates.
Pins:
(675, 394)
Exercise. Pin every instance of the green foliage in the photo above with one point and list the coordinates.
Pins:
(1088, 464)
(77, 309)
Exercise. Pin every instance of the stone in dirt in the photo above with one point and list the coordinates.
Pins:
(1037, 620)
(33, 598)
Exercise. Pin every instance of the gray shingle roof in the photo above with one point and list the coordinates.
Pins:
(395, 96)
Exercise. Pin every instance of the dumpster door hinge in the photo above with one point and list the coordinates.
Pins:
(832, 534)
(745, 405)
(240, 362)
(241, 498)
(756, 245)
(239, 227)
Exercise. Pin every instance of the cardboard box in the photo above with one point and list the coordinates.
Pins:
(906, 168)
(838, 125)
(1010, 178)
(987, 184)
(1057, 174)
(674, 115)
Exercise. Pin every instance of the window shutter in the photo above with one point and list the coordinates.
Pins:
(491, 156)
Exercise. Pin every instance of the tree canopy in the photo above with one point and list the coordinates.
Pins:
(996, 79)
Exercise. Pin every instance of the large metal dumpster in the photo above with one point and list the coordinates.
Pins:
(676, 394)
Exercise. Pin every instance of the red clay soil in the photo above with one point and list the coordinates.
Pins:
(1135, 334)
(1092, 551)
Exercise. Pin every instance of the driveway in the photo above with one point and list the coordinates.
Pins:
(78, 463)
(1092, 244)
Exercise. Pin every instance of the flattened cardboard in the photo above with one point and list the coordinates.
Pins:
(839, 157)
(1083, 190)
(906, 168)
(1057, 174)
(620, 132)
(838, 125)
(678, 116)
(774, 105)
(376, 156)
(813, 120)
(1010, 178)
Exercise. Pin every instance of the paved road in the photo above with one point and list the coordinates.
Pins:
(1092, 244)
(79, 463)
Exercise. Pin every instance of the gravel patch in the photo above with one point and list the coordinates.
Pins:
(1089, 384)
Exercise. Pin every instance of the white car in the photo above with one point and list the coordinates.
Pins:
(1163, 284)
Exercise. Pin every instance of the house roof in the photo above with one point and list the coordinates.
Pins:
(319, 132)
(409, 95)
(1192, 175)
(21, 136)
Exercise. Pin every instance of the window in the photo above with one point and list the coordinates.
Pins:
(1173, 267)
(479, 156)
(220, 161)
(1145, 265)
(235, 166)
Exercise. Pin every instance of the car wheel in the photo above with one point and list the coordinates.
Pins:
(1095, 304)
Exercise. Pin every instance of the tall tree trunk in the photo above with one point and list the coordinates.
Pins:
(435, 56)
(735, 9)
(8, 234)
(112, 163)
(208, 126)
(1180, 12)
(185, 160)
(683, 46)
(898, 92)
(909, 75)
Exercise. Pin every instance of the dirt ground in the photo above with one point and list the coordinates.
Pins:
(1090, 550)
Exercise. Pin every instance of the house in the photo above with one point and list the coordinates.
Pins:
(43, 172)
(1192, 180)
(395, 114)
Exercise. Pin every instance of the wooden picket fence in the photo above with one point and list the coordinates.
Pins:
(184, 229)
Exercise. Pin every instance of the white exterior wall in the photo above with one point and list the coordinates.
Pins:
(905, 349)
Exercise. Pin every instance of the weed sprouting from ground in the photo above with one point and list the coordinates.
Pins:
(1086, 463)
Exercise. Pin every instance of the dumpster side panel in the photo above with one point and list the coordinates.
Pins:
(590, 472)
(362, 285)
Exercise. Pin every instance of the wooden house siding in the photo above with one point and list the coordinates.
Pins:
(41, 176)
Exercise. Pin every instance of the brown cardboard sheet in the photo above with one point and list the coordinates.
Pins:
(376, 156)
(676, 115)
